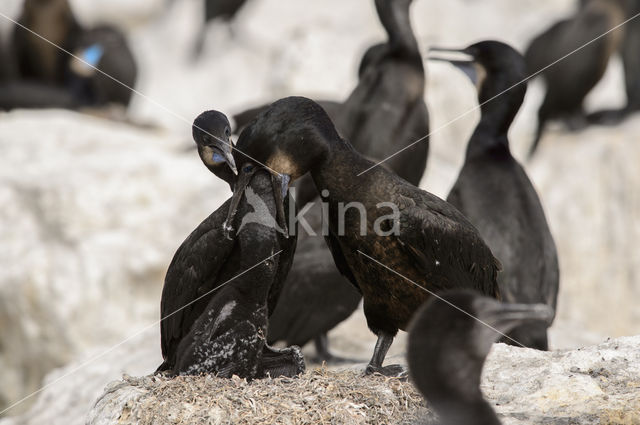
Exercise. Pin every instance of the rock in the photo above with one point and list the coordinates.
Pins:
(593, 385)
(70, 392)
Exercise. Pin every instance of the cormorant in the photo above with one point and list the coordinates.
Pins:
(208, 259)
(23, 94)
(37, 59)
(40, 64)
(494, 192)
(570, 80)
(315, 297)
(631, 59)
(392, 240)
(229, 336)
(631, 62)
(384, 113)
(212, 134)
(107, 49)
(449, 340)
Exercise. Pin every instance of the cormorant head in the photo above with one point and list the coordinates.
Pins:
(492, 66)
(289, 138)
(212, 133)
(450, 338)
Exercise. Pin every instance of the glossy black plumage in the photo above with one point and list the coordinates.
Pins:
(212, 134)
(447, 349)
(435, 246)
(495, 194)
(631, 58)
(190, 301)
(27, 94)
(571, 79)
(629, 49)
(229, 336)
(65, 81)
(384, 113)
(6, 63)
(36, 59)
(315, 296)
(117, 61)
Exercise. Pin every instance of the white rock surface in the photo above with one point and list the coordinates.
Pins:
(69, 392)
(593, 385)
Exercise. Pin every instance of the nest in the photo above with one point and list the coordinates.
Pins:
(318, 396)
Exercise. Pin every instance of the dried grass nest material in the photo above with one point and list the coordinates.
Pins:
(318, 396)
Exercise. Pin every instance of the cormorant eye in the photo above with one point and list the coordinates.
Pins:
(227, 132)
(248, 168)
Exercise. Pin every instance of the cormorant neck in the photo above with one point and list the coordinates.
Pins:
(394, 16)
(487, 137)
(454, 389)
(341, 162)
(497, 111)
(500, 101)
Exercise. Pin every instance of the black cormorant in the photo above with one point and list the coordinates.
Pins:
(384, 113)
(37, 59)
(629, 49)
(392, 240)
(570, 79)
(229, 336)
(107, 49)
(40, 64)
(212, 134)
(315, 297)
(449, 340)
(495, 194)
(208, 258)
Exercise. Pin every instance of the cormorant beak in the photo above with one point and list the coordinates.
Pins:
(280, 183)
(243, 181)
(216, 153)
(227, 156)
(458, 58)
(505, 316)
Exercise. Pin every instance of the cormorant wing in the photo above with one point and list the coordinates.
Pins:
(339, 259)
(192, 273)
(446, 248)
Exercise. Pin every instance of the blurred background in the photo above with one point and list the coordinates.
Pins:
(95, 203)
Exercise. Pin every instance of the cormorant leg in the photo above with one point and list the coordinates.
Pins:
(322, 348)
(282, 362)
(379, 353)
